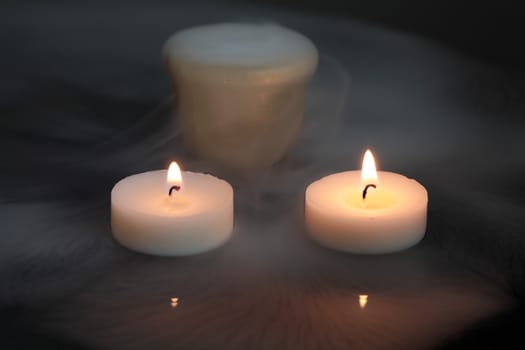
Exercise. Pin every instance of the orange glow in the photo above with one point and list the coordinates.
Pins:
(174, 302)
(174, 177)
(368, 172)
(363, 299)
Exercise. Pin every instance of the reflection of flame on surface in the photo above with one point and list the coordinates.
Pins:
(174, 302)
(363, 299)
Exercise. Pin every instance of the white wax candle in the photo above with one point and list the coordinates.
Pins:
(196, 217)
(392, 216)
(240, 90)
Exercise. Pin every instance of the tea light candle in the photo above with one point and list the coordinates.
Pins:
(366, 211)
(171, 212)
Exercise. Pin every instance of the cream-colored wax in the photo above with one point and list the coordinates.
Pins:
(239, 90)
(392, 217)
(196, 219)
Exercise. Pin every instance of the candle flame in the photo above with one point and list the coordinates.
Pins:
(174, 177)
(368, 172)
(363, 299)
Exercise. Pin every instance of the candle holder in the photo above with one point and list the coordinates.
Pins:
(240, 90)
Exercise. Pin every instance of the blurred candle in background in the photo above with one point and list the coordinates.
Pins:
(239, 90)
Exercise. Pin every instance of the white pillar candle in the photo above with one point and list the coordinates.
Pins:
(366, 211)
(171, 212)
(240, 90)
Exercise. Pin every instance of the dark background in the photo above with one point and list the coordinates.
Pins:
(490, 30)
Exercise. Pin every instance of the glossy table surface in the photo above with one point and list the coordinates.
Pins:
(85, 101)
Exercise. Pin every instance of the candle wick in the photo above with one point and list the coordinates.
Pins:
(366, 190)
(175, 187)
